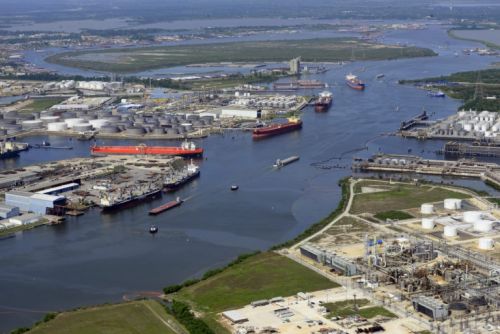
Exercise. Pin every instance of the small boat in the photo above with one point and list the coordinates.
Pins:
(234, 187)
(153, 229)
(380, 76)
(439, 93)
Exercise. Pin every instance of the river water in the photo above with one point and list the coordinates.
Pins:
(98, 258)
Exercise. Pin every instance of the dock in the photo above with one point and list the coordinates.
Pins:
(419, 120)
(417, 165)
(476, 149)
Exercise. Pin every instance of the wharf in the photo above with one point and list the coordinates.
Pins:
(418, 165)
(453, 148)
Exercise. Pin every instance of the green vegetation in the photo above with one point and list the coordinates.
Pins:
(183, 314)
(393, 214)
(37, 105)
(261, 276)
(347, 308)
(492, 184)
(323, 50)
(463, 85)
(144, 316)
(344, 184)
(26, 227)
(484, 36)
(400, 197)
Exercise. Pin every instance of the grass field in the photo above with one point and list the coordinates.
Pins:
(321, 50)
(400, 197)
(41, 104)
(262, 276)
(140, 317)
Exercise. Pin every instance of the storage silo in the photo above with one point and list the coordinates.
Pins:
(483, 226)
(426, 209)
(486, 243)
(32, 124)
(70, 122)
(450, 231)
(428, 223)
(82, 127)
(472, 216)
(57, 126)
(452, 204)
(49, 119)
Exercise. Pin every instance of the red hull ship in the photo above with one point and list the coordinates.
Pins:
(166, 206)
(277, 129)
(185, 150)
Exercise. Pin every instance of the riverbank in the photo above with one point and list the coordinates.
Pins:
(488, 37)
(318, 50)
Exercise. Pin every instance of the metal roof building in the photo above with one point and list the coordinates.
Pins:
(33, 202)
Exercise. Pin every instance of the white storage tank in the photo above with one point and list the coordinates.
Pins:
(32, 124)
(82, 127)
(426, 209)
(428, 223)
(98, 123)
(70, 122)
(57, 126)
(49, 119)
(450, 231)
(483, 225)
(468, 127)
(452, 204)
(486, 243)
(472, 216)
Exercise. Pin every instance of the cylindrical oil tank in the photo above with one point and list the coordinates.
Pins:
(11, 115)
(426, 209)
(98, 123)
(135, 130)
(57, 126)
(109, 129)
(483, 225)
(70, 122)
(188, 128)
(68, 114)
(486, 243)
(32, 124)
(428, 223)
(468, 127)
(112, 118)
(80, 127)
(472, 216)
(103, 113)
(26, 117)
(49, 119)
(7, 121)
(158, 131)
(450, 231)
(89, 117)
(452, 204)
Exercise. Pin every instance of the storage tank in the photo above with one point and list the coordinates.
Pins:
(32, 124)
(109, 129)
(68, 114)
(49, 119)
(81, 127)
(89, 117)
(426, 209)
(450, 231)
(483, 225)
(468, 127)
(486, 243)
(135, 130)
(452, 204)
(428, 223)
(57, 126)
(158, 131)
(98, 123)
(472, 216)
(70, 122)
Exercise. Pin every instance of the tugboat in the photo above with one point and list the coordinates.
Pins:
(234, 187)
(153, 229)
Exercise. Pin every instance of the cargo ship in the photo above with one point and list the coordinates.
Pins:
(323, 102)
(175, 181)
(277, 128)
(353, 82)
(166, 206)
(109, 203)
(187, 149)
(10, 150)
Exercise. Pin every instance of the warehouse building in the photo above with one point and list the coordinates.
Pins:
(26, 219)
(59, 189)
(431, 307)
(33, 202)
(235, 317)
(8, 211)
(334, 261)
(236, 112)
